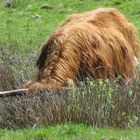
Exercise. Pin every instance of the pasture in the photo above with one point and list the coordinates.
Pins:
(24, 26)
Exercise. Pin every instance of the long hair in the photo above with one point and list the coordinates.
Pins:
(101, 43)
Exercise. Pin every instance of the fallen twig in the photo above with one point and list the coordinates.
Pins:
(13, 92)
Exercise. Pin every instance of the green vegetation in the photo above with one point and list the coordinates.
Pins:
(24, 26)
(70, 132)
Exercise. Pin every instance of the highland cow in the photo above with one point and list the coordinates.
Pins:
(101, 43)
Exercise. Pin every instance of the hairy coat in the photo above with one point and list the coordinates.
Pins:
(101, 43)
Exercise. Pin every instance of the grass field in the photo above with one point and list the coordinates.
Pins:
(70, 132)
(25, 26)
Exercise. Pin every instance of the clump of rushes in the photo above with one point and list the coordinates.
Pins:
(15, 68)
(95, 102)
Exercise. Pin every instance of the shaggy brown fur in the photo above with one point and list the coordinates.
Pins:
(101, 43)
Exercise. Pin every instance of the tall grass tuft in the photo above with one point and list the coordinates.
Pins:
(15, 69)
(98, 103)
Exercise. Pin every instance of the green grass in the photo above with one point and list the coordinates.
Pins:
(70, 132)
(21, 30)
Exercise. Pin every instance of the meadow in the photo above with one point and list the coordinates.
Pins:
(70, 132)
(24, 26)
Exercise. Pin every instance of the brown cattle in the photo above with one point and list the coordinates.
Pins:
(100, 43)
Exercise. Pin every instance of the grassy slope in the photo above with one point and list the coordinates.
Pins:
(20, 30)
(70, 132)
